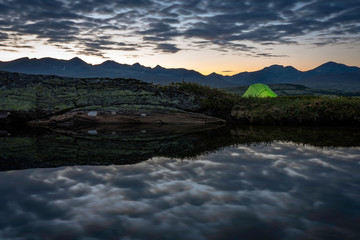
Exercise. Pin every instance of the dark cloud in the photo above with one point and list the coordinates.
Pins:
(161, 23)
(167, 48)
(49, 29)
(155, 39)
(170, 20)
(278, 22)
(3, 36)
(159, 33)
(270, 55)
(158, 29)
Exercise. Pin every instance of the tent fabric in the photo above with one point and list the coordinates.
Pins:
(259, 90)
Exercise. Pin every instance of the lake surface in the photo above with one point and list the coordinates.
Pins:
(146, 183)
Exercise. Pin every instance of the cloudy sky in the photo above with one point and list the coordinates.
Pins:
(220, 36)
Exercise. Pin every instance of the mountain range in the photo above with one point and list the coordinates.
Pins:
(330, 75)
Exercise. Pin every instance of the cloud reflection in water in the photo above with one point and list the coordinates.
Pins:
(274, 191)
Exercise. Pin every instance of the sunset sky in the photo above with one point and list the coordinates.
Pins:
(223, 36)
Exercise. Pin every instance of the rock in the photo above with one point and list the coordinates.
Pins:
(3, 116)
(4, 133)
(81, 118)
(92, 113)
(66, 102)
(92, 132)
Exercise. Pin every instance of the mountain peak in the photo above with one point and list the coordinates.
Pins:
(214, 74)
(276, 66)
(24, 59)
(137, 65)
(158, 67)
(109, 63)
(331, 67)
(76, 59)
(273, 67)
(331, 64)
(279, 68)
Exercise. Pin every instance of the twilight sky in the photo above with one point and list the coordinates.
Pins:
(223, 36)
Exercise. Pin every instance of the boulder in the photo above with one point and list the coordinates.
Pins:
(52, 100)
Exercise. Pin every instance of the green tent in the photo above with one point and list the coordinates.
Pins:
(259, 90)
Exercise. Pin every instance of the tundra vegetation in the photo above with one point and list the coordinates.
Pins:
(72, 101)
(282, 110)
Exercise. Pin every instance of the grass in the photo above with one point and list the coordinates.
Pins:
(304, 110)
(285, 110)
(214, 102)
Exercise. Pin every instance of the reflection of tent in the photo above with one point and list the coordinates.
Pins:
(259, 90)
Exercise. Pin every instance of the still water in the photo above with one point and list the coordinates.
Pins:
(243, 183)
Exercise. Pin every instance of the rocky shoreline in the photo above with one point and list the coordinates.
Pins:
(81, 118)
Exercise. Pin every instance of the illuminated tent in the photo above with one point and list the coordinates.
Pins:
(259, 90)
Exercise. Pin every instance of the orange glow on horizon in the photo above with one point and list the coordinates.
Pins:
(205, 61)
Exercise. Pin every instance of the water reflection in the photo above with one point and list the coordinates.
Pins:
(272, 190)
(36, 148)
(275, 191)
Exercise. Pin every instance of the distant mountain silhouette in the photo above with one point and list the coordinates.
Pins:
(332, 75)
(269, 75)
(78, 68)
(333, 67)
(329, 75)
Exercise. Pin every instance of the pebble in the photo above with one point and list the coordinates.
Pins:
(92, 132)
(92, 113)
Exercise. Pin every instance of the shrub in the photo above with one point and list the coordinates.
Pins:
(214, 101)
(275, 111)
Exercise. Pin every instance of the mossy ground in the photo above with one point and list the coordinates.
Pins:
(298, 110)
(50, 96)
(215, 102)
(285, 110)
